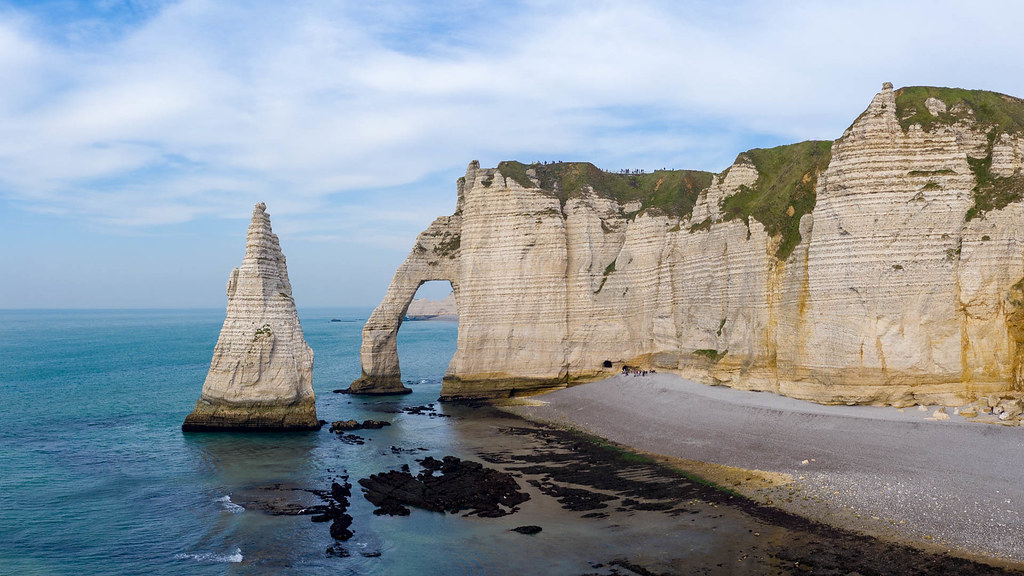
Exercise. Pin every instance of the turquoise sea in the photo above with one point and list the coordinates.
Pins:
(96, 476)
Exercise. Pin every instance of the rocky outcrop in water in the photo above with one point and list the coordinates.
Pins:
(261, 376)
(884, 267)
(458, 485)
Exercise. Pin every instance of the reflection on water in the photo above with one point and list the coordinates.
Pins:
(246, 457)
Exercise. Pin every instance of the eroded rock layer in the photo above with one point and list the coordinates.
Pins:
(261, 376)
(885, 267)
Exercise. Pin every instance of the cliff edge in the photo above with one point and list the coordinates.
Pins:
(885, 267)
(261, 375)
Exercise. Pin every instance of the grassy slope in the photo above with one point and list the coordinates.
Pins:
(784, 191)
(788, 178)
(673, 192)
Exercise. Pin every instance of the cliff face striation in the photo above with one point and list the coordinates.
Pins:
(884, 267)
(261, 376)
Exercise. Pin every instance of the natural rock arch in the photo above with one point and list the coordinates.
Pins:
(434, 257)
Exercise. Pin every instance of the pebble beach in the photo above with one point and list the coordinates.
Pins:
(946, 485)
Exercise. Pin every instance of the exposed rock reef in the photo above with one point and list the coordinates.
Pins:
(427, 309)
(884, 267)
(460, 485)
(261, 376)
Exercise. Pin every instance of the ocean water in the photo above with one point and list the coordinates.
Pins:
(96, 476)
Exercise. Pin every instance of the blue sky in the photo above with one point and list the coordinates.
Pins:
(136, 135)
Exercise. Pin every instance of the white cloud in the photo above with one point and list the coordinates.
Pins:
(206, 105)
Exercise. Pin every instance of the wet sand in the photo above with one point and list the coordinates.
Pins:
(946, 486)
(601, 510)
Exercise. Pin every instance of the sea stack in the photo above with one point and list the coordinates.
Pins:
(261, 376)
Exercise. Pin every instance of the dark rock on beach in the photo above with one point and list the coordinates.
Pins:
(459, 485)
(351, 439)
(341, 492)
(582, 472)
(339, 528)
(349, 425)
(426, 409)
(336, 512)
(337, 552)
(528, 530)
(575, 499)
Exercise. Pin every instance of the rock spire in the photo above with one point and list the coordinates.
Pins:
(261, 376)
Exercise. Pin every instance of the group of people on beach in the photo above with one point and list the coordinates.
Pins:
(626, 371)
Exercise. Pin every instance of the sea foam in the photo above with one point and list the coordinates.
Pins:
(212, 557)
(225, 501)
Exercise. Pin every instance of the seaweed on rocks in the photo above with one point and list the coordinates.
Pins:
(337, 512)
(575, 499)
(448, 485)
(581, 470)
(351, 439)
(340, 426)
(426, 409)
(585, 475)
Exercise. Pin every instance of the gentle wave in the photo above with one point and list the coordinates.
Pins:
(228, 505)
(211, 557)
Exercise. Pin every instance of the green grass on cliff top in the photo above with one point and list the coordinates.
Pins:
(993, 113)
(785, 189)
(672, 192)
(788, 175)
(991, 109)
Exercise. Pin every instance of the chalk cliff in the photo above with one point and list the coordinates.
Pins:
(427, 309)
(884, 267)
(261, 376)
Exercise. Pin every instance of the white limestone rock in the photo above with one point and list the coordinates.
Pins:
(901, 291)
(428, 309)
(935, 106)
(261, 375)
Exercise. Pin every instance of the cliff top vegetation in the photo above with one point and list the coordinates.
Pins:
(989, 109)
(992, 113)
(673, 192)
(788, 175)
(785, 189)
